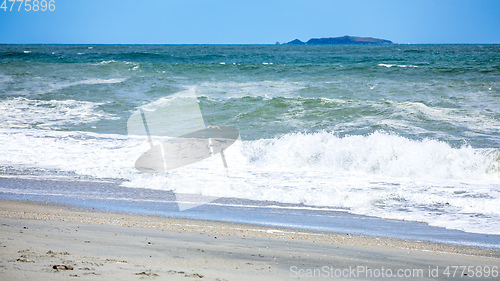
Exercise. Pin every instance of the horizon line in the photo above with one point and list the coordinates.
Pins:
(246, 44)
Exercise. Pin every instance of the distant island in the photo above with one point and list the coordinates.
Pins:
(344, 40)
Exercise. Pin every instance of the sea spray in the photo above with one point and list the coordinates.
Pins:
(376, 154)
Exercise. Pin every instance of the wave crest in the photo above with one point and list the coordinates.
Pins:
(377, 153)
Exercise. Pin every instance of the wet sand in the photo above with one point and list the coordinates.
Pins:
(100, 246)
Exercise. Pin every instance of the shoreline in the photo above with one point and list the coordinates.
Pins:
(60, 212)
(114, 198)
(35, 236)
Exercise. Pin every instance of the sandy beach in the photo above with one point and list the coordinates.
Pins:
(34, 237)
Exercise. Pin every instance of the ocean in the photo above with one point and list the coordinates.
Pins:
(396, 132)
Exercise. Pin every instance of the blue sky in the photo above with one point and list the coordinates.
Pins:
(251, 22)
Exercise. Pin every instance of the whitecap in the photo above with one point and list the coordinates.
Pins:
(386, 65)
(25, 113)
(107, 61)
(397, 65)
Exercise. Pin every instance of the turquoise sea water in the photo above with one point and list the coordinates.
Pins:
(404, 131)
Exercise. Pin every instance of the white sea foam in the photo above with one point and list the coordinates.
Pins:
(25, 113)
(40, 87)
(379, 174)
(396, 65)
(474, 119)
(134, 65)
(404, 115)
(107, 61)
(93, 81)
